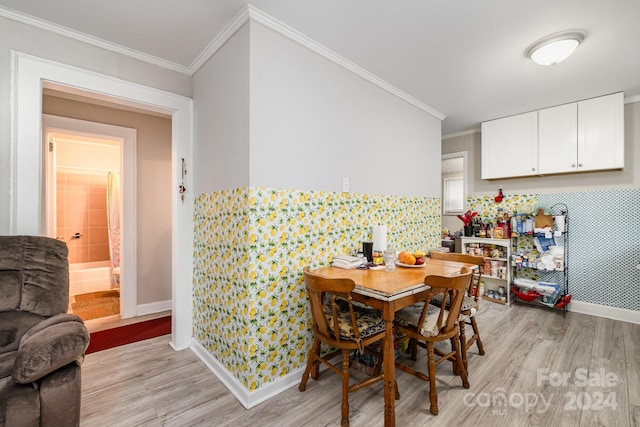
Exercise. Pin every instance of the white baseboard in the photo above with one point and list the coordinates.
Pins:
(247, 398)
(608, 312)
(154, 307)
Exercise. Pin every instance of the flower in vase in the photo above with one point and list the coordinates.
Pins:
(467, 219)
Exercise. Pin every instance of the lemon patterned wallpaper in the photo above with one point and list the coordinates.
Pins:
(251, 244)
(487, 208)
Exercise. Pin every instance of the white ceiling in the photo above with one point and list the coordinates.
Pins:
(464, 58)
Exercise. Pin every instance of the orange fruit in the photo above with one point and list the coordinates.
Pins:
(402, 255)
(409, 259)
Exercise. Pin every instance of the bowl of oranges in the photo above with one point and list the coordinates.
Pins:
(411, 259)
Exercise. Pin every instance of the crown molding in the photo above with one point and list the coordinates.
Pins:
(270, 22)
(241, 18)
(245, 14)
(250, 13)
(86, 38)
(461, 133)
(631, 99)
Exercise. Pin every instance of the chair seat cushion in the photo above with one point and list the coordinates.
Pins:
(369, 321)
(410, 316)
(468, 303)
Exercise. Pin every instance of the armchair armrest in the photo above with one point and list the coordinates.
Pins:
(49, 345)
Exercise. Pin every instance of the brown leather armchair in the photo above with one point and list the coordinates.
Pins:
(41, 347)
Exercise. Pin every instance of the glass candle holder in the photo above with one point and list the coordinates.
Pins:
(389, 257)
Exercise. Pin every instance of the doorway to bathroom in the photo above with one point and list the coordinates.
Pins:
(32, 76)
(88, 174)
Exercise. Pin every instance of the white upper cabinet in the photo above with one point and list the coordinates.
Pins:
(601, 133)
(558, 139)
(578, 137)
(510, 146)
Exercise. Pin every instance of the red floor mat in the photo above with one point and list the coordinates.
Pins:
(128, 334)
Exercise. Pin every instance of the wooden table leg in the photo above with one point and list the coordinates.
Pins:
(389, 369)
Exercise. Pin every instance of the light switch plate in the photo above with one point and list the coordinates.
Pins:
(345, 184)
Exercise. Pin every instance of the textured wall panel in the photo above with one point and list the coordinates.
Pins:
(604, 246)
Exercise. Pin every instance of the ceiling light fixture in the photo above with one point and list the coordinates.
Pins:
(556, 47)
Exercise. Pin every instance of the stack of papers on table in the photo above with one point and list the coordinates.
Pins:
(347, 261)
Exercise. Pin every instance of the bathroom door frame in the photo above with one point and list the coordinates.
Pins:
(128, 174)
(28, 73)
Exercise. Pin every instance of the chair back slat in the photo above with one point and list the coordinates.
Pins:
(474, 284)
(442, 327)
(320, 288)
(331, 301)
(453, 289)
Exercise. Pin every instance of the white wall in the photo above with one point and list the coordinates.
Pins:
(80, 156)
(314, 122)
(41, 43)
(221, 102)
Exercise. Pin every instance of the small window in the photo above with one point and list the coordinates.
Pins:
(454, 188)
(453, 195)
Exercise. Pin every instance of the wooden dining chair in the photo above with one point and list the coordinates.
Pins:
(343, 327)
(428, 324)
(470, 304)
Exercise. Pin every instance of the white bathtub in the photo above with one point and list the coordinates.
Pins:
(90, 277)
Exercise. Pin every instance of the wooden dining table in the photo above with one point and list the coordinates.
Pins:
(389, 291)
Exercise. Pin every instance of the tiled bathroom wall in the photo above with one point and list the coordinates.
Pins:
(81, 208)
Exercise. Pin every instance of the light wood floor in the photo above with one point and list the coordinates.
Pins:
(528, 349)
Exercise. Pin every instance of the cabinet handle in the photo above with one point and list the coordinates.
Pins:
(579, 165)
(533, 169)
(573, 165)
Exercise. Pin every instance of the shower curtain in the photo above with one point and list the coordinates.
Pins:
(113, 217)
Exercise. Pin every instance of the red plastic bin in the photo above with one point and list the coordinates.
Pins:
(528, 297)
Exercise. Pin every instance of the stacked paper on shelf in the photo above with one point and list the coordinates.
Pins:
(544, 288)
(347, 261)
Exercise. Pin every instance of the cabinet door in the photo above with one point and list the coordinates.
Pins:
(510, 146)
(558, 139)
(601, 133)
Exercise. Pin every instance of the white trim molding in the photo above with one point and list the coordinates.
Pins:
(247, 398)
(89, 39)
(608, 312)
(247, 13)
(154, 307)
(631, 99)
(28, 74)
(256, 15)
(461, 133)
(241, 18)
